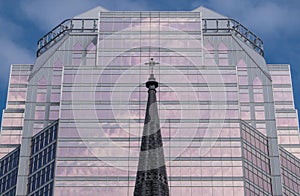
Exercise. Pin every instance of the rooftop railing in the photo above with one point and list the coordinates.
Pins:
(69, 25)
(231, 25)
(210, 26)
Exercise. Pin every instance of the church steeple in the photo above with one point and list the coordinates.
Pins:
(151, 178)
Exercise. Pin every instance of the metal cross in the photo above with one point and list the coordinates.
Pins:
(151, 64)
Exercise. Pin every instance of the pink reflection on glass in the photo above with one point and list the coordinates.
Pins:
(118, 26)
(58, 64)
(55, 97)
(227, 171)
(105, 26)
(223, 62)
(228, 191)
(243, 80)
(236, 152)
(41, 97)
(67, 114)
(91, 47)
(281, 79)
(209, 46)
(217, 190)
(294, 139)
(260, 115)
(66, 96)
(232, 96)
(14, 79)
(232, 114)
(225, 133)
(91, 54)
(69, 78)
(286, 121)
(283, 96)
(238, 191)
(56, 80)
(10, 139)
(245, 115)
(70, 132)
(105, 114)
(77, 54)
(42, 81)
(77, 46)
(75, 152)
(258, 97)
(90, 61)
(244, 98)
(54, 115)
(18, 79)
(116, 133)
(17, 96)
(39, 115)
(12, 122)
(104, 95)
(229, 78)
(223, 54)
(257, 82)
(242, 64)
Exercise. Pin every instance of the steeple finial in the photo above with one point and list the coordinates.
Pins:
(151, 83)
(151, 64)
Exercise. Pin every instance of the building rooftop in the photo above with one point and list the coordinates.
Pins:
(212, 23)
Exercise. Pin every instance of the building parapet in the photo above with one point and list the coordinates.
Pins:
(90, 25)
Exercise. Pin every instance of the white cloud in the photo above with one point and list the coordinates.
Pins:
(265, 17)
(271, 18)
(11, 52)
(10, 28)
(48, 14)
(126, 4)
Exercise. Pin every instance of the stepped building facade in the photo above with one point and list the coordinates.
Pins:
(220, 120)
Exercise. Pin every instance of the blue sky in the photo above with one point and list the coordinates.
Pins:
(23, 22)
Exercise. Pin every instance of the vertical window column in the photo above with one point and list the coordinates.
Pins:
(259, 105)
(245, 112)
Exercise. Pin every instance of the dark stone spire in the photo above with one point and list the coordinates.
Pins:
(151, 178)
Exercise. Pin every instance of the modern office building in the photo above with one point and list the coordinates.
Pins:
(74, 121)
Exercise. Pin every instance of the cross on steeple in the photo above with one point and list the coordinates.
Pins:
(151, 64)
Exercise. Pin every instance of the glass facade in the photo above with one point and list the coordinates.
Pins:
(256, 161)
(42, 161)
(9, 172)
(103, 107)
(290, 172)
(220, 106)
(285, 112)
(13, 115)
